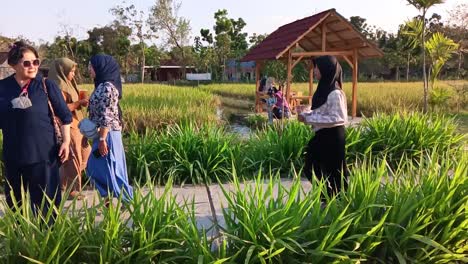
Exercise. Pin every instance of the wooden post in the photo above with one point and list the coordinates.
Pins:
(257, 86)
(355, 80)
(311, 82)
(288, 78)
(324, 36)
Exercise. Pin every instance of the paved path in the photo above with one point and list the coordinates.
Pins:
(187, 192)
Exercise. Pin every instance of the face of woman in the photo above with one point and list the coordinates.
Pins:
(28, 66)
(92, 73)
(71, 74)
(317, 74)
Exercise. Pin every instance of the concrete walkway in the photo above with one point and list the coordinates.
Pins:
(187, 193)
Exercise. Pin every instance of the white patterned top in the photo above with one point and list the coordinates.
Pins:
(103, 107)
(332, 113)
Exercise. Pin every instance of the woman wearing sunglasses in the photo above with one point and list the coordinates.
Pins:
(30, 150)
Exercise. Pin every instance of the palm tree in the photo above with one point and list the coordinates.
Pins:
(440, 49)
(423, 6)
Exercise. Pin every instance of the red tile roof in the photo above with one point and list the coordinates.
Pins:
(275, 43)
(301, 31)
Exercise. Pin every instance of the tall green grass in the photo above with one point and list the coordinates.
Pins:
(404, 135)
(413, 213)
(189, 153)
(193, 152)
(401, 216)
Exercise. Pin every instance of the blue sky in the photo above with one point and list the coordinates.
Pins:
(42, 20)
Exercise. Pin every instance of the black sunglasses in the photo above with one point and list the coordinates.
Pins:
(27, 64)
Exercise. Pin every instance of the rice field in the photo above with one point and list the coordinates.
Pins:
(406, 202)
(155, 106)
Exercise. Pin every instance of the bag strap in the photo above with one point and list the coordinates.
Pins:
(48, 100)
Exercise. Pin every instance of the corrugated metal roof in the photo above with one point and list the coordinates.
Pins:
(341, 35)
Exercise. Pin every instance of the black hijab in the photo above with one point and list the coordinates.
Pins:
(107, 70)
(331, 79)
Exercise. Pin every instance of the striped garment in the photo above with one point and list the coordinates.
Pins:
(332, 113)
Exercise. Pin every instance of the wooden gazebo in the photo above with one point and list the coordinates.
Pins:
(325, 33)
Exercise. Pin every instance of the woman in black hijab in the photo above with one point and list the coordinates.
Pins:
(325, 153)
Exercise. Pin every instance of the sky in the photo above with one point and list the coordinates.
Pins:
(42, 20)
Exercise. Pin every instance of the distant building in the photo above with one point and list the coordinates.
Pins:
(240, 71)
(167, 71)
(5, 69)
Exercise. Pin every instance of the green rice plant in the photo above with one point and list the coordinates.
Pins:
(155, 106)
(193, 154)
(102, 241)
(373, 97)
(45, 237)
(157, 222)
(411, 212)
(263, 221)
(396, 216)
(403, 135)
(257, 121)
(277, 147)
(427, 222)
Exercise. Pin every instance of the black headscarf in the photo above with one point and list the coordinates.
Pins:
(107, 70)
(331, 79)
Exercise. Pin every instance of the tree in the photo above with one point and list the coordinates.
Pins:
(423, 6)
(457, 29)
(360, 24)
(255, 39)
(229, 40)
(440, 50)
(112, 40)
(134, 19)
(165, 17)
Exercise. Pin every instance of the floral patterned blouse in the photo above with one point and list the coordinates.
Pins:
(103, 107)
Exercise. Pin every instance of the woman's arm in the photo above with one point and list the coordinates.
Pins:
(58, 103)
(63, 113)
(334, 111)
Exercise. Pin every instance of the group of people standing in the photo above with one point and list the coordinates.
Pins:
(35, 159)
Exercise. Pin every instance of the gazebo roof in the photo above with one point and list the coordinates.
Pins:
(307, 34)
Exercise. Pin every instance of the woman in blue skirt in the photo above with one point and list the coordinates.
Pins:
(107, 166)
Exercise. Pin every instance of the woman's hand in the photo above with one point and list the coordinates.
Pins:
(64, 151)
(300, 118)
(84, 102)
(103, 149)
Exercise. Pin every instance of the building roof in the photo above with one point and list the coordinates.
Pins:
(307, 34)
